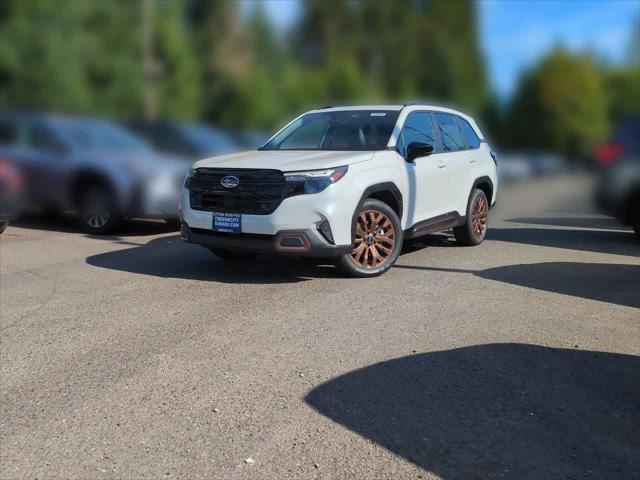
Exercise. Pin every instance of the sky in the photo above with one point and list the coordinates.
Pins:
(515, 33)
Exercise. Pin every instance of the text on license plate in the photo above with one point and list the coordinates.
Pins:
(227, 222)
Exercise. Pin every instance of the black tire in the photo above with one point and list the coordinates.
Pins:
(232, 255)
(3, 227)
(471, 233)
(349, 264)
(97, 210)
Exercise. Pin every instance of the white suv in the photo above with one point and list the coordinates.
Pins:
(349, 183)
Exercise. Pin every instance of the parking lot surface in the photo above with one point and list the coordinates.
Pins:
(140, 356)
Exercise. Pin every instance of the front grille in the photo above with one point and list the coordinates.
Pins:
(258, 193)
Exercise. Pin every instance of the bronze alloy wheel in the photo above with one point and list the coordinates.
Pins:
(479, 217)
(374, 240)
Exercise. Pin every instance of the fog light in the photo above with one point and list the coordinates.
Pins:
(325, 230)
(292, 242)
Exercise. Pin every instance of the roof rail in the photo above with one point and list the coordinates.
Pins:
(324, 107)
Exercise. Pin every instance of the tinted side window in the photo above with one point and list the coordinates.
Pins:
(450, 133)
(418, 127)
(469, 133)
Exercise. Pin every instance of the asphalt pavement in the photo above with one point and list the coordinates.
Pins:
(140, 356)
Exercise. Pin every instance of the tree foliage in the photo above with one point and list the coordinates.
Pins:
(560, 105)
(223, 62)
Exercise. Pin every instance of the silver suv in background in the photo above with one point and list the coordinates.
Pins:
(94, 167)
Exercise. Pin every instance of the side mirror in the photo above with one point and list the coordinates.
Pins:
(417, 149)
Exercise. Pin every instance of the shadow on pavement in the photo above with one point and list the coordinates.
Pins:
(497, 411)
(611, 283)
(606, 223)
(171, 257)
(68, 224)
(600, 241)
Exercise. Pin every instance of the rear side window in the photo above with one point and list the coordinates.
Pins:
(469, 133)
(418, 127)
(450, 134)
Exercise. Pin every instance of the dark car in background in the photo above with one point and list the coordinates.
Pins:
(617, 189)
(94, 167)
(192, 140)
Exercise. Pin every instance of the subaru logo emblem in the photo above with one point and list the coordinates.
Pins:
(230, 181)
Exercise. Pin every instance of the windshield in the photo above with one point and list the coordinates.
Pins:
(208, 140)
(337, 130)
(97, 135)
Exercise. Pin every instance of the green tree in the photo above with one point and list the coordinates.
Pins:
(560, 105)
(623, 91)
(111, 60)
(42, 55)
(179, 82)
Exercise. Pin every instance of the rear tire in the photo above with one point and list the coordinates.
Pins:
(3, 227)
(232, 255)
(474, 230)
(97, 211)
(377, 241)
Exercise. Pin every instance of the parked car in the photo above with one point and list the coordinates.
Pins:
(617, 188)
(10, 186)
(191, 140)
(347, 183)
(95, 167)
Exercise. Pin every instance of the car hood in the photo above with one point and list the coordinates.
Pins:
(286, 160)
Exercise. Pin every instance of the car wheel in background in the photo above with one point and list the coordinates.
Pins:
(377, 241)
(475, 229)
(97, 211)
(3, 226)
(232, 255)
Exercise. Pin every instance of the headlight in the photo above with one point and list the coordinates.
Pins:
(187, 179)
(313, 181)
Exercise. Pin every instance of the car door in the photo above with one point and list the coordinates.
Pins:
(45, 163)
(427, 176)
(457, 158)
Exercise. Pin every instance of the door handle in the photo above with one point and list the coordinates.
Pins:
(473, 160)
(442, 165)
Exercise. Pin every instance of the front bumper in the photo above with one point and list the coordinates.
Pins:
(299, 216)
(311, 243)
(335, 205)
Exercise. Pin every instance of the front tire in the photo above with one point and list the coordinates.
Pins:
(377, 241)
(3, 227)
(97, 211)
(474, 230)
